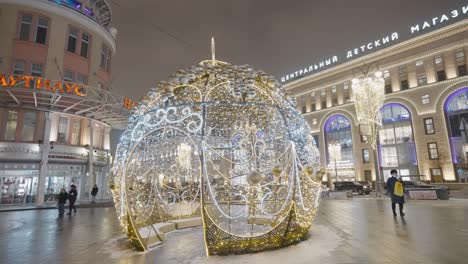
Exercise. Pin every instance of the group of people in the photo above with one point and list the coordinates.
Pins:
(71, 196)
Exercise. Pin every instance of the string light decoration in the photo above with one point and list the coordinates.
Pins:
(369, 97)
(222, 142)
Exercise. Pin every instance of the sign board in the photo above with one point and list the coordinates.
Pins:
(38, 83)
(377, 43)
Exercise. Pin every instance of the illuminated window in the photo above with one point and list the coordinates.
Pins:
(386, 74)
(62, 133)
(365, 156)
(18, 68)
(438, 59)
(25, 27)
(433, 152)
(429, 126)
(460, 55)
(68, 76)
(425, 99)
(419, 63)
(436, 172)
(422, 79)
(36, 70)
(41, 31)
(29, 125)
(72, 39)
(11, 123)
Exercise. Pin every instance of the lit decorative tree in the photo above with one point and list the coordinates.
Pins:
(369, 97)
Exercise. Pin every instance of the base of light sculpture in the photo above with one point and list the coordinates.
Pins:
(285, 233)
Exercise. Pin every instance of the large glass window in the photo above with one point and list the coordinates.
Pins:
(456, 110)
(62, 133)
(25, 27)
(11, 124)
(29, 125)
(72, 39)
(338, 133)
(76, 132)
(41, 31)
(396, 142)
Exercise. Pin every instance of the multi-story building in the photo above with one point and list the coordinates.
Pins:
(425, 115)
(56, 110)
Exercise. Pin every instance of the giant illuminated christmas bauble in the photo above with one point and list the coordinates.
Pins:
(221, 142)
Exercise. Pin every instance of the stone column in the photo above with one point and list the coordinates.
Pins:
(44, 161)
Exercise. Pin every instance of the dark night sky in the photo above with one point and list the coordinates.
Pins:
(157, 38)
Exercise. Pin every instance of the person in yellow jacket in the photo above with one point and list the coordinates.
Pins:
(396, 192)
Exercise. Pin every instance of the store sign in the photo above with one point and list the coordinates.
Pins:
(38, 83)
(376, 44)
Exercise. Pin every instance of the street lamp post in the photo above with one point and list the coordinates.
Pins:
(335, 155)
(369, 97)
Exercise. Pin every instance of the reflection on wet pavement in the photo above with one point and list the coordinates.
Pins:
(352, 231)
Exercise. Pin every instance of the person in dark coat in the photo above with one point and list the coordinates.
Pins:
(62, 199)
(72, 198)
(400, 200)
(94, 192)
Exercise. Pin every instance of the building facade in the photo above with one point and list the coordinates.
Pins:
(424, 131)
(56, 110)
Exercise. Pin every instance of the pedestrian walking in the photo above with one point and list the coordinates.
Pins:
(396, 192)
(62, 199)
(94, 192)
(72, 198)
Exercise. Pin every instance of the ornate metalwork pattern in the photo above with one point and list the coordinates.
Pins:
(222, 142)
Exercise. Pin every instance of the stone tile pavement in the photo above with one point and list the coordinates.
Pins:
(344, 231)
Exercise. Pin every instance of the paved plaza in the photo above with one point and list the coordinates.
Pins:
(361, 230)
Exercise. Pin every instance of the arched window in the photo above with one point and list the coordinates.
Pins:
(396, 142)
(456, 111)
(339, 146)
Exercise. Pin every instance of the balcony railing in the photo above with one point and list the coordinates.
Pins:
(97, 10)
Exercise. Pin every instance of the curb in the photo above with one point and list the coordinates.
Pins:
(86, 205)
